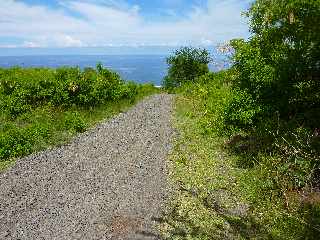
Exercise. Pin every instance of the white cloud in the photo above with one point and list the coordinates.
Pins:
(30, 44)
(68, 41)
(206, 42)
(116, 23)
(108, 17)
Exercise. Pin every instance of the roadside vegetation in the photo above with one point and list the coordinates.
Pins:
(42, 107)
(246, 164)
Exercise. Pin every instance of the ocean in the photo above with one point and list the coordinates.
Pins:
(138, 68)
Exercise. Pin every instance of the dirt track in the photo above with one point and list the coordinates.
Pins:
(109, 183)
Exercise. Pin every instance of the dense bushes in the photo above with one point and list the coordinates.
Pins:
(22, 89)
(42, 106)
(278, 69)
(280, 65)
(273, 170)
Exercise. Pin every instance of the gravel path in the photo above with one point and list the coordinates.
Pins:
(109, 183)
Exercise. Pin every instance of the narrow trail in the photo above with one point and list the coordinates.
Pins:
(108, 183)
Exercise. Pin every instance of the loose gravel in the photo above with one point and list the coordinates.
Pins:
(108, 183)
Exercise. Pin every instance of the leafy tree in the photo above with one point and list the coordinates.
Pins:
(280, 64)
(186, 65)
(276, 88)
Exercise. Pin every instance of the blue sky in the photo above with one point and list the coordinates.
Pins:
(98, 23)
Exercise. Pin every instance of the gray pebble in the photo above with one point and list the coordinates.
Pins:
(108, 183)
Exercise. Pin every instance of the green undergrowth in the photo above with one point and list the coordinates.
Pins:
(207, 202)
(44, 121)
(48, 126)
(218, 195)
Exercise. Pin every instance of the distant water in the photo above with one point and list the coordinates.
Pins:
(138, 68)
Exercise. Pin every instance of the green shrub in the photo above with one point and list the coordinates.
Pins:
(130, 90)
(16, 141)
(241, 110)
(186, 65)
(74, 122)
(24, 89)
(276, 87)
(279, 65)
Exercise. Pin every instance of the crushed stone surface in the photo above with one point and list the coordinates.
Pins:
(108, 183)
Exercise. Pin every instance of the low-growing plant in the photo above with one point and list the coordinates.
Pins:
(16, 142)
(74, 122)
(24, 89)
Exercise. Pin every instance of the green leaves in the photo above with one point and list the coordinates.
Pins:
(186, 65)
(241, 110)
(16, 142)
(276, 87)
(281, 60)
(74, 122)
(24, 89)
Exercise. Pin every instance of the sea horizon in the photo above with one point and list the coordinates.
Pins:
(138, 64)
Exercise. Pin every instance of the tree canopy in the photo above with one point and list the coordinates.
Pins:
(279, 66)
(185, 65)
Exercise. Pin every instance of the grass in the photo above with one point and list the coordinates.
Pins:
(217, 198)
(47, 126)
(207, 203)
